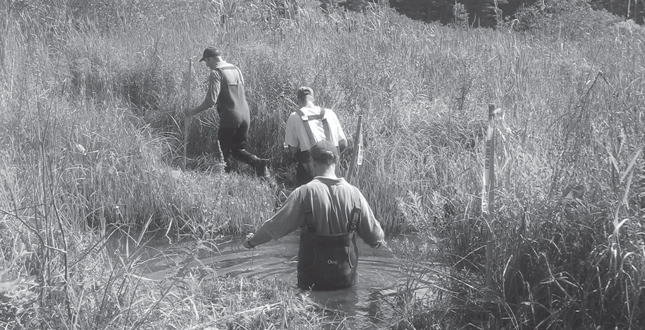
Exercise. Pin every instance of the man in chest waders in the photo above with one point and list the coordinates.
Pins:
(308, 125)
(329, 212)
(226, 90)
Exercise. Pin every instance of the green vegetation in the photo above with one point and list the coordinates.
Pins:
(492, 13)
(92, 129)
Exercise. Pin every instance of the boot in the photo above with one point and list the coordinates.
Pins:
(261, 166)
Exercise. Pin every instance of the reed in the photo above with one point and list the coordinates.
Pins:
(92, 137)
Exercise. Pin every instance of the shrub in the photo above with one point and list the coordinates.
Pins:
(564, 19)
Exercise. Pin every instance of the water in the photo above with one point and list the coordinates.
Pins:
(370, 301)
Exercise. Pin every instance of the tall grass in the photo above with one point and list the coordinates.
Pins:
(92, 128)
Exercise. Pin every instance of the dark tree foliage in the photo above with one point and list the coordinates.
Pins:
(481, 13)
(631, 9)
(439, 10)
(487, 13)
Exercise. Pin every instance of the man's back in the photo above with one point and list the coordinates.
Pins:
(296, 133)
(329, 212)
(231, 101)
(332, 201)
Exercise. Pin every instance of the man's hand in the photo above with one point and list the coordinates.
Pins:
(378, 245)
(246, 242)
(342, 145)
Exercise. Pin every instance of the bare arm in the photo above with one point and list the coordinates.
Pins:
(204, 106)
(211, 96)
(369, 229)
(285, 221)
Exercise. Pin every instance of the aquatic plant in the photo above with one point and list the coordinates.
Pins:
(92, 132)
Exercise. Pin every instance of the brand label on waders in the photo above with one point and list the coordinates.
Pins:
(327, 262)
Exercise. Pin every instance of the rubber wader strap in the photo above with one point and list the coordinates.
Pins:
(309, 218)
(327, 130)
(231, 67)
(320, 116)
(356, 215)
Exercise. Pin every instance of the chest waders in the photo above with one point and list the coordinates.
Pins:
(305, 170)
(305, 121)
(304, 157)
(231, 101)
(327, 262)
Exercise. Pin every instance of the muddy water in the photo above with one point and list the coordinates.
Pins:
(379, 273)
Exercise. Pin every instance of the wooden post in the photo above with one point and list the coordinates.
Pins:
(488, 194)
(357, 157)
(641, 194)
(188, 98)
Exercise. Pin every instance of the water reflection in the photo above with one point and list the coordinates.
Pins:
(379, 273)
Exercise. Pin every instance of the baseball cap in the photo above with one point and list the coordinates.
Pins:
(324, 150)
(303, 91)
(210, 52)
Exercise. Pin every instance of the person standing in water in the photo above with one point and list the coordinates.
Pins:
(330, 212)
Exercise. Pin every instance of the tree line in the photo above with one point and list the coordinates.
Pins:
(490, 13)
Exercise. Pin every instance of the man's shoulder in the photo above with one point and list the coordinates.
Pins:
(222, 64)
(315, 185)
(297, 115)
(215, 74)
(309, 111)
(338, 183)
(329, 113)
(293, 117)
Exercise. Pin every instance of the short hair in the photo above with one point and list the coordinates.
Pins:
(328, 161)
(324, 152)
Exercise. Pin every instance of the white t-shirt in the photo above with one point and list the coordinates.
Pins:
(296, 134)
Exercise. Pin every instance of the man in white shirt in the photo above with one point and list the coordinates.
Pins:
(305, 127)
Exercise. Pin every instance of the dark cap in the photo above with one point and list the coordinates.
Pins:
(210, 52)
(324, 150)
(304, 91)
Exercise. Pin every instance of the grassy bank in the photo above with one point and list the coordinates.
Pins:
(92, 129)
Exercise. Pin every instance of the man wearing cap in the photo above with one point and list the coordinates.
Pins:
(308, 125)
(329, 211)
(226, 89)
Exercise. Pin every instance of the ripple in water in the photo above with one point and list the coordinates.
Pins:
(379, 273)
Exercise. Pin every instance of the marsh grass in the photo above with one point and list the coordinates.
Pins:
(92, 133)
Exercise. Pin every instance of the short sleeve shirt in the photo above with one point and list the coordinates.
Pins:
(296, 134)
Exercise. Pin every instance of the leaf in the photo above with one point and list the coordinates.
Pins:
(8, 286)
(631, 164)
(613, 160)
(629, 183)
(620, 224)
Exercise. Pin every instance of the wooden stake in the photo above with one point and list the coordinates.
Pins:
(488, 195)
(357, 157)
(188, 98)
